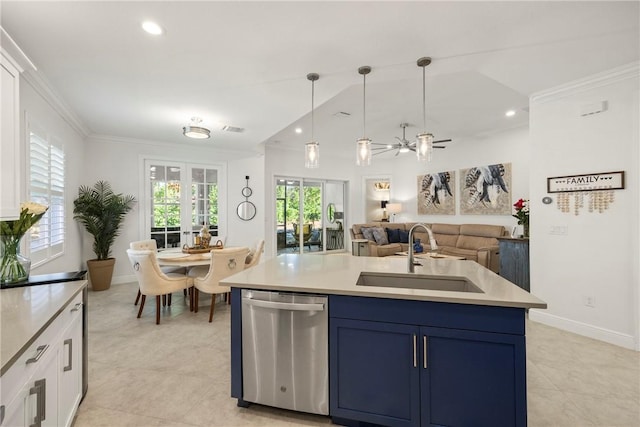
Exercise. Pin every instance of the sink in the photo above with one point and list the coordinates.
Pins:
(417, 281)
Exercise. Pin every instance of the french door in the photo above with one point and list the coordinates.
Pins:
(180, 199)
(309, 215)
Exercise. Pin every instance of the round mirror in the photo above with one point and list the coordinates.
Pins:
(246, 191)
(331, 213)
(246, 210)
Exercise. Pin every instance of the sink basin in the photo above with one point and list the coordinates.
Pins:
(417, 281)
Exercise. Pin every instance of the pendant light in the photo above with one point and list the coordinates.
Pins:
(363, 145)
(312, 149)
(424, 144)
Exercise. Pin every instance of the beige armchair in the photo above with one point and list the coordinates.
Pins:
(224, 263)
(254, 255)
(152, 280)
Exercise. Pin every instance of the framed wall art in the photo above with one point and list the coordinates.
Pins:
(436, 193)
(486, 190)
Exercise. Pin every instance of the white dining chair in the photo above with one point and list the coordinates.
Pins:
(153, 281)
(224, 263)
(152, 245)
(255, 254)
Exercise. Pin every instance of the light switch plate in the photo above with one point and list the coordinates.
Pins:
(559, 230)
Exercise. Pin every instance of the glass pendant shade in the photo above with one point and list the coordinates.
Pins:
(312, 155)
(424, 147)
(363, 154)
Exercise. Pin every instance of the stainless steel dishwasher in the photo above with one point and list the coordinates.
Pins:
(285, 350)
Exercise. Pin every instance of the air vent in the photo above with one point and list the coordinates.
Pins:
(342, 115)
(232, 129)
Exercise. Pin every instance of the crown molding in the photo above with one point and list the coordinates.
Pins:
(13, 53)
(614, 75)
(40, 84)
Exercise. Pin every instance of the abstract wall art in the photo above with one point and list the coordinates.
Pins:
(436, 193)
(485, 190)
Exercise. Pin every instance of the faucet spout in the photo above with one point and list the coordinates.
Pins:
(432, 243)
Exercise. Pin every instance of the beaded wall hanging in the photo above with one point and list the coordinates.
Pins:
(594, 190)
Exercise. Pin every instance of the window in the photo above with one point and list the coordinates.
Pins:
(46, 177)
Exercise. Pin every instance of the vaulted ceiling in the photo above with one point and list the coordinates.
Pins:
(244, 64)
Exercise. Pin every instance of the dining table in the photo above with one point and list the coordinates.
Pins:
(177, 258)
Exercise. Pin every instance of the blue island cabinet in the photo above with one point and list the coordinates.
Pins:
(418, 363)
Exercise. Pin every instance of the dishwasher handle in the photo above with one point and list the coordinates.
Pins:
(285, 305)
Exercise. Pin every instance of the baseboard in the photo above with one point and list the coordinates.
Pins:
(123, 279)
(584, 329)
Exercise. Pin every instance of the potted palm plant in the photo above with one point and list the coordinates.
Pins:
(102, 213)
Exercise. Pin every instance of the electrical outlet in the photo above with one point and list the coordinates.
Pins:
(589, 301)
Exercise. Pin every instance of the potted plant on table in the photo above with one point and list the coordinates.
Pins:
(102, 213)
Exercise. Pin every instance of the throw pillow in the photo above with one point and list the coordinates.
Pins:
(380, 236)
(404, 236)
(367, 233)
(393, 234)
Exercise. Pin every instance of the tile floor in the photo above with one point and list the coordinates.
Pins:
(177, 374)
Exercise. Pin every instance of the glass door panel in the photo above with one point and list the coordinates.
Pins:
(204, 200)
(287, 215)
(166, 211)
(312, 217)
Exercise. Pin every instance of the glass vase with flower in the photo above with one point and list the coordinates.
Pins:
(13, 266)
(522, 215)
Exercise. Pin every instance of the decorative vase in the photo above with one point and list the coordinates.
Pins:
(525, 230)
(13, 266)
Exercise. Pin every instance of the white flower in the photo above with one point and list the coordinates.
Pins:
(33, 208)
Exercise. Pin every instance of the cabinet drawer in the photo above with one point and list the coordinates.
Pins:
(27, 363)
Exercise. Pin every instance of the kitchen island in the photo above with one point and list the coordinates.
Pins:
(403, 351)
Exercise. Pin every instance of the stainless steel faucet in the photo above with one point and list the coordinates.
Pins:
(432, 243)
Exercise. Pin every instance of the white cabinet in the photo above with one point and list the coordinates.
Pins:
(44, 386)
(70, 367)
(9, 138)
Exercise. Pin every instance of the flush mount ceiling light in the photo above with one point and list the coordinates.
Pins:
(424, 142)
(152, 28)
(312, 149)
(194, 131)
(363, 145)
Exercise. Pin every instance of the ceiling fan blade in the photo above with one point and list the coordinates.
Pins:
(441, 141)
(398, 152)
(382, 152)
(378, 143)
(439, 146)
(384, 148)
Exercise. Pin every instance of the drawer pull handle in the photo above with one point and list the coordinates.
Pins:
(76, 307)
(39, 389)
(415, 351)
(1, 414)
(70, 365)
(41, 349)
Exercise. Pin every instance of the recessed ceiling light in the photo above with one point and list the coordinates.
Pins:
(298, 130)
(152, 28)
(510, 113)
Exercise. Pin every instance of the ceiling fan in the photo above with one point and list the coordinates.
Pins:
(403, 145)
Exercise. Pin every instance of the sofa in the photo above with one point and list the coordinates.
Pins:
(476, 242)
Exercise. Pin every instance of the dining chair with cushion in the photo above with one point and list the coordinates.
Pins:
(224, 263)
(253, 258)
(152, 245)
(153, 281)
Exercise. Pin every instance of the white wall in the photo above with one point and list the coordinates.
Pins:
(599, 255)
(36, 109)
(505, 147)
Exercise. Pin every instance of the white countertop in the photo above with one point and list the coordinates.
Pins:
(26, 312)
(338, 274)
